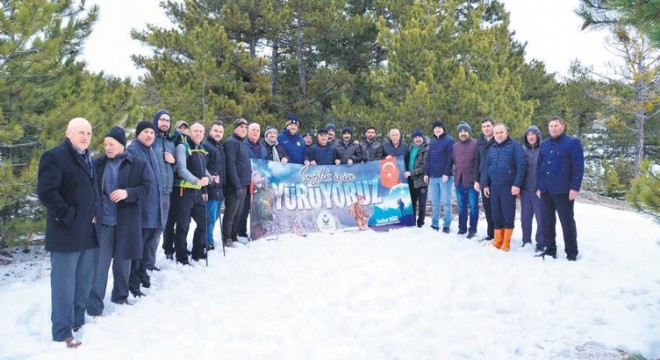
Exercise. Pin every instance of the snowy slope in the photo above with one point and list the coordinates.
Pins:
(407, 294)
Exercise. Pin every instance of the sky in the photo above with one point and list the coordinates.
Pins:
(550, 28)
(410, 293)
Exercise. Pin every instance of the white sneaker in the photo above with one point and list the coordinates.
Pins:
(243, 240)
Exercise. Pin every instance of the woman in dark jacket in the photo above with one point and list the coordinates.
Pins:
(415, 160)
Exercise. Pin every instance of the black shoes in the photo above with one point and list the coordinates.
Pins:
(546, 252)
(539, 248)
(445, 230)
(169, 256)
(211, 246)
(571, 258)
(435, 228)
(137, 293)
(471, 235)
(462, 232)
(487, 238)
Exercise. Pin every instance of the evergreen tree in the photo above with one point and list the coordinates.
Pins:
(641, 14)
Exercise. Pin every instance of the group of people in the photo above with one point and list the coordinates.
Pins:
(114, 209)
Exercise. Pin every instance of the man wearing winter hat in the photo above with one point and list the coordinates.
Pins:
(124, 182)
(415, 159)
(292, 142)
(165, 150)
(332, 134)
(154, 215)
(530, 204)
(323, 152)
(463, 154)
(66, 188)
(438, 174)
(239, 176)
(348, 151)
(276, 152)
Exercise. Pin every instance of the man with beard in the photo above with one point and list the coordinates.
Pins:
(483, 144)
(239, 175)
(371, 148)
(165, 150)
(215, 167)
(276, 152)
(347, 152)
(463, 154)
(323, 152)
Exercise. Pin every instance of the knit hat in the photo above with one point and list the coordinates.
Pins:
(464, 126)
(118, 134)
(307, 134)
(144, 125)
(438, 123)
(322, 131)
(417, 133)
(179, 123)
(331, 127)
(291, 119)
(347, 129)
(270, 129)
(240, 121)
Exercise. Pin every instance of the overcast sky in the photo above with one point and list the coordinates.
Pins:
(550, 28)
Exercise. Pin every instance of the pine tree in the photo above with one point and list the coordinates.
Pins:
(645, 192)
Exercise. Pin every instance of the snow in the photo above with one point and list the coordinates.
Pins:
(406, 294)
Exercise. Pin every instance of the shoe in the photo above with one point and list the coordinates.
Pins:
(462, 232)
(228, 243)
(183, 262)
(154, 269)
(546, 252)
(169, 256)
(198, 257)
(211, 246)
(539, 248)
(435, 228)
(525, 243)
(72, 343)
(445, 229)
(120, 302)
(471, 235)
(138, 293)
(571, 258)
(487, 238)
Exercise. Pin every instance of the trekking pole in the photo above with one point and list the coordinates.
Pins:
(206, 240)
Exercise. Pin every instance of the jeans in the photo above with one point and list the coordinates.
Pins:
(213, 208)
(440, 192)
(467, 198)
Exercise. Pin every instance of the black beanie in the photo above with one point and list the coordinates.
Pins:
(144, 125)
(118, 134)
(438, 123)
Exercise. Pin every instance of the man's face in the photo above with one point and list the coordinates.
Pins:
(146, 137)
(79, 132)
(322, 138)
(112, 147)
(293, 128)
(217, 132)
(463, 135)
(370, 134)
(437, 131)
(532, 139)
(487, 129)
(271, 136)
(241, 130)
(164, 123)
(346, 136)
(183, 128)
(331, 134)
(254, 132)
(309, 140)
(197, 133)
(418, 140)
(500, 133)
(556, 128)
(395, 136)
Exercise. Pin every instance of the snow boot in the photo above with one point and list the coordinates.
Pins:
(507, 239)
(499, 238)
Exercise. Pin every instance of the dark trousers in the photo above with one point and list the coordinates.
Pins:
(234, 201)
(418, 197)
(530, 208)
(120, 272)
(71, 278)
(191, 205)
(139, 267)
(168, 233)
(489, 214)
(151, 248)
(560, 204)
(503, 206)
(245, 212)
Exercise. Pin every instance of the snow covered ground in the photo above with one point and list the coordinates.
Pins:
(407, 294)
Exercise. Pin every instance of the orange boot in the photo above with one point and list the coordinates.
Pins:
(499, 238)
(507, 239)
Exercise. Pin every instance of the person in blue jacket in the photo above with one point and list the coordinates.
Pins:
(560, 172)
(501, 180)
(323, 152)
(292, 142)
(438, 174)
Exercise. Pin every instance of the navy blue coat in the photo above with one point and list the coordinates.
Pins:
(66, 189)
(438, 161)
(389, 149)
(294, 146)
(216, 166)
(237, 162)
(257, 151)
(134, 176)
(561, 165)
(480, 159)
(505, 164)
(154, 215)
(322, 155)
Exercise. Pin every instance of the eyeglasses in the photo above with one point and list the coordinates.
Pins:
(165, 120)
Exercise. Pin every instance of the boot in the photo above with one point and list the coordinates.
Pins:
(507, 239)
(499, 238)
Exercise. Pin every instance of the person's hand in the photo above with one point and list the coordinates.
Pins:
(203, 181)
(388, 157)
(284, 160)
(487, 192)
(477, 187)
(515, 190)
(406, 174)
(313, 162)
(205, 197)
(306, 163)
(573, 194)
(426, 179)
(337, 162)
(118, 195)
(350, 162)
(445, 178)
(538, 194)
(169, 158)
(216, 179)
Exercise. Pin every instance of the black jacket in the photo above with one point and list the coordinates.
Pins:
(237, 163)
(216, 166)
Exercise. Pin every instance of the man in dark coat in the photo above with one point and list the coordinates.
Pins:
(483, 143)
(239, 176)
(124, 182)
(276, 152)
(504, 171)
(323, 152)
(372, 149)
(257, 150)
(216, 167)
(415, 160)
(438, 174)
(560, 172)
(463, 154)
(65, 186)
(347, 151)
(395, 147)
(292, 141)
(530, 204)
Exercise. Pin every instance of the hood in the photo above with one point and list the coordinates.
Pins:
(535, 130)
(157, 116)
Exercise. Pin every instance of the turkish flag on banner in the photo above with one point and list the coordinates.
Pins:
(389, 173)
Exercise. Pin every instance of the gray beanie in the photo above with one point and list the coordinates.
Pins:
(464, 126)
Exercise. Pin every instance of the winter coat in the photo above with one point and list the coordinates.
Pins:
(480, 159)
(531, 159)
(322, 155)
(463, 155)
(133, 176)
(216, 166)
(153, 213)
(561, 165)
(163, 144)
(417, 173)
(352, 151)
(438, 162)
(371, 150)
(281, 151)
(294, 146)
(389, 149)
(66, 189)
(237, 162)
(505, 164)
(256, 150)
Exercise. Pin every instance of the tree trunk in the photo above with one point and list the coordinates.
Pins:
(299, 56)
(274, 67)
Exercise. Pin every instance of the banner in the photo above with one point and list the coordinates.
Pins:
(292, 198)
